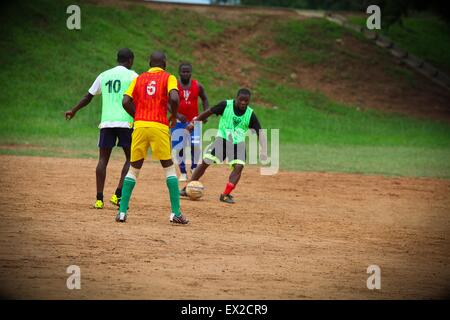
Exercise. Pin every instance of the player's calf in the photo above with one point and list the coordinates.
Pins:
(128, 186)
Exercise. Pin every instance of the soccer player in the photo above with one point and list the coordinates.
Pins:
(236, 119)
(189, 90)
(116, 124)
(146, 101)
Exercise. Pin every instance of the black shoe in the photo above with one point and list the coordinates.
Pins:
(183, 192)
(179, 220)
(227, 198)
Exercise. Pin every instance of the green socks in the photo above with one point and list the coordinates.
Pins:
(172, 185)
(127, 189)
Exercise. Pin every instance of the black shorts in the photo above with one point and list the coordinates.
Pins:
(221, 149)
(109, 136)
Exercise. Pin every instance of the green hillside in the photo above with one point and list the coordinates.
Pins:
(46, 68)
(422, 34)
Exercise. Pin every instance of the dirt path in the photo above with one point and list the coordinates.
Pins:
(290, 236)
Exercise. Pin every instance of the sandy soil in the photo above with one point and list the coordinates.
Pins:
(289, 236)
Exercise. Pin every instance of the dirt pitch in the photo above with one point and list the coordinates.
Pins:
(290, 236)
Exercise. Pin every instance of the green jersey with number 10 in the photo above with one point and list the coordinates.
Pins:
(114, 82)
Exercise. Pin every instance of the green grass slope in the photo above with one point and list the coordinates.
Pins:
(46, 68)
(422, 34)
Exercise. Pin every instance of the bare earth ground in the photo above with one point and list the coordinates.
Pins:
(290, 236)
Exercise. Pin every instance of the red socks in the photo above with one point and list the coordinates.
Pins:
(229, 188)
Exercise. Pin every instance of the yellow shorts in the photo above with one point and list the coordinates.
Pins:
(156, 136)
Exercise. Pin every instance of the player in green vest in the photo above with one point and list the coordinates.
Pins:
(236, 119)
(116, 123)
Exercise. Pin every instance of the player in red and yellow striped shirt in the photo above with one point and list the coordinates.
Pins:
(146, 101)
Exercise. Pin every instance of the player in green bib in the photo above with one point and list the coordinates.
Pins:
(115, 124)
(236, 119)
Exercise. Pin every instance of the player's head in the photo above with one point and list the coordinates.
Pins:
(243, 98)
(125, 57)
(158, 59)
(185, 71)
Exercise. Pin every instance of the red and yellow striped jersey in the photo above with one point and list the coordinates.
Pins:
(150, 95)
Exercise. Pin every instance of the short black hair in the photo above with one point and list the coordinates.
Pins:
(184, 64)
(244, 91)
(124, 54)
(158, 59)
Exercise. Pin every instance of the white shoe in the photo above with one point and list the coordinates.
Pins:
(121, 217)
(183, 177)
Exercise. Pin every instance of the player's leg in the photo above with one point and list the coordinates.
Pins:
(196, 175)
(125, 168)
(160, 144)
(117, 196)
(124, 136)
(178, 137)
(196, 150)
(100, 174)
(182, 166)
(139, 147)
(105, 143)
(235, 175)
(174, 193)
(128, 186)
(199, 171)
(194, 158)
(233, 180)
(215, 153)
(236, 155)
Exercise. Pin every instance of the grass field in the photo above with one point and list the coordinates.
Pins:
(422, 34)
(43, 76)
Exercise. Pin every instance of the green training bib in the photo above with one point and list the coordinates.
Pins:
(115, 82)
(233, 127)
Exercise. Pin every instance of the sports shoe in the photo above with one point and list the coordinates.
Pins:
(115, 200)
(98, 204)
(183, 177)
(180, 219)
(228, 198)
(183, 192)
(121, 217)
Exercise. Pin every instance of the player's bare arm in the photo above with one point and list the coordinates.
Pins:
(83, 102)
(128, 105)
(201, 117)
(203, 96)
(263, 143)
(256, 127)
(181, 117)
(174, 102)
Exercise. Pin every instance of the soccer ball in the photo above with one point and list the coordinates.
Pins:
(194, 190)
